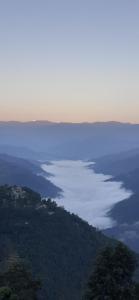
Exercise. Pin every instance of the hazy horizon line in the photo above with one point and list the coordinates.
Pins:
(69, 122)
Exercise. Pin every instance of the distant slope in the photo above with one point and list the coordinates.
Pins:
(59, 247)
(121, 163)
(22, 152)
(124, 167)
(17, 171)
(127, 211)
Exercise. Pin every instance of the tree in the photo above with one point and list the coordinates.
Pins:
(17, 283)
(112, 276)
(7, 294)
(137, 291)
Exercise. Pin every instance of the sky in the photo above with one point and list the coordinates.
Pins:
(74, 60)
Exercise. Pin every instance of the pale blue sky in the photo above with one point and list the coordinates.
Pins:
(71, 60)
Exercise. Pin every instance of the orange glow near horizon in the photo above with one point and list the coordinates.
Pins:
(53, 69)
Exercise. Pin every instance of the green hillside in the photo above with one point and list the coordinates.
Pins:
(58, 247)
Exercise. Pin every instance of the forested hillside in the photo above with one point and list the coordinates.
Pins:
(58, 247)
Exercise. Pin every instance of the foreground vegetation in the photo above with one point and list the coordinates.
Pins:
(16, 283)
(112, 278)
(113, 275)
(58, 247)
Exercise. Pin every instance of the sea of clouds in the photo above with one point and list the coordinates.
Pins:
(86, 193)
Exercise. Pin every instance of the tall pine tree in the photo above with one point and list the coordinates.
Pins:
(112, 278)
(17, 283)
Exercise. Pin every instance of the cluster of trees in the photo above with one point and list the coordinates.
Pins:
(112, 278)
(16, 283)
(18, 197)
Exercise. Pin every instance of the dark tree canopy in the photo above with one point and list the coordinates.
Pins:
(16, 283)
(112, 276)
(7, 294)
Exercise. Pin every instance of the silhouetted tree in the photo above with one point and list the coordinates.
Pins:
(17, 282)
(7, 294)
(112, 276)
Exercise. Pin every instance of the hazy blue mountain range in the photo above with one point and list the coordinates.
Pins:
(24, 152)
(68, 140)
(18, 171)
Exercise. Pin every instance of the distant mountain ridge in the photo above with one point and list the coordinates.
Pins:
(70, 140)
(47, 122)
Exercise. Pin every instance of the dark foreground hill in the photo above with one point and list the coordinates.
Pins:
(59, 247)
(18, 171)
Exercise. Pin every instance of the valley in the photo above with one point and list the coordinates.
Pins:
(85, 193)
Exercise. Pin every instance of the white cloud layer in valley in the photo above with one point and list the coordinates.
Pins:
(86, 193)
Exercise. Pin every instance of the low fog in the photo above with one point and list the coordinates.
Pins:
(86, 193)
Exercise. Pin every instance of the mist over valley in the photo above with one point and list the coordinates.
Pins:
(85, 193)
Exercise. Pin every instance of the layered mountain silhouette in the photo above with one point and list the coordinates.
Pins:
(18, 171)
(47, 140)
